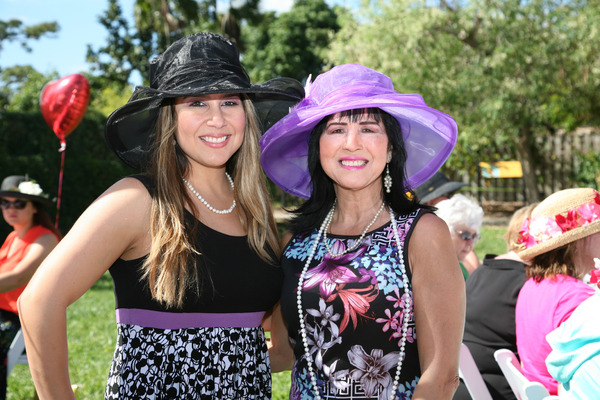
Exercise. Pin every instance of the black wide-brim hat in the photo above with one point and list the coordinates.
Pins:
(438, 185)
(11, 187)
(199, 64)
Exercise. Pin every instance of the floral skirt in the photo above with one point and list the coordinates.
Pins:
(197, 363)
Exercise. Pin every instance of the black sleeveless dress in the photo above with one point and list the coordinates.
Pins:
(214, 346)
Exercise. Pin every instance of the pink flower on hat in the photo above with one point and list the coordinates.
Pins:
(544, 228)
(524, 236)
(569, 222)
(588, 213)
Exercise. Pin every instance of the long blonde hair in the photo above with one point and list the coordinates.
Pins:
(170, 267)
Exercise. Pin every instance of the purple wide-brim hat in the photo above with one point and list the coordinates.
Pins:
(429, 135)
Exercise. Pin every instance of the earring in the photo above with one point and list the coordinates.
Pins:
(387, 179)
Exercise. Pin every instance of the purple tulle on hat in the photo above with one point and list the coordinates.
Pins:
(429, 135)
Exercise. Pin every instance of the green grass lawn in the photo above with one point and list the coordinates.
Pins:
(92, 335)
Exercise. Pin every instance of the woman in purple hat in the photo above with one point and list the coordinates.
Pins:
(191, 243)
(373, 298)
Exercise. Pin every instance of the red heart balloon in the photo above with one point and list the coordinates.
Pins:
(64, 102)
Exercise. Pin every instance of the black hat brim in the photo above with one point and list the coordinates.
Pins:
(129, 131)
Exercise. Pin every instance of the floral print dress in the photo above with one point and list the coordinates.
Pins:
(353, 311)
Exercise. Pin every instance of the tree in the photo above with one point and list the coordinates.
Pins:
(21, 88)
(15, 30)
(130, 47)
(14, 79)
(505, 70)
(293, 44)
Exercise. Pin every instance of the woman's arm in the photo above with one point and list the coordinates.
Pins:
(22, 273)
(439, 304)
(281, 353)
(115, 225)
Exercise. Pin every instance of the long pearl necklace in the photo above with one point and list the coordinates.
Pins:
(360, 239)
(406, 311)
(211, 208)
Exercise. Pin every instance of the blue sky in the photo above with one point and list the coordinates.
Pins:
(78, 20)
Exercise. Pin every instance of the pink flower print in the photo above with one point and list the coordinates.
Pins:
(356, 303)
(410, 335)
(367, 275)
(392, 322)
(589, 212)
(331, 272)
(402, 230)
(398, 302)
(567, 223)
(543, 229)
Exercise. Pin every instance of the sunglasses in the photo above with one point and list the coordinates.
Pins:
(466, 236)
(17, 204)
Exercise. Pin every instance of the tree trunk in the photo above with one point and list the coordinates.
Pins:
(523, 148)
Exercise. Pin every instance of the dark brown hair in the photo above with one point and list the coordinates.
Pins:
(555, 262)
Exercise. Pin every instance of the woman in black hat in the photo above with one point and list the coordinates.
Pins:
(33, 237)
(191, 243)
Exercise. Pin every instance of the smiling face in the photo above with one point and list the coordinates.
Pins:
(210, 128)
(354, 151)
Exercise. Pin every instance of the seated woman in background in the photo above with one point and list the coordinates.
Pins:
(560, 242)
(492, 291)
(32, 239)
(464, 218)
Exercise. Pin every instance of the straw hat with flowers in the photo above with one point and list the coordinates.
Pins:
(562, 218)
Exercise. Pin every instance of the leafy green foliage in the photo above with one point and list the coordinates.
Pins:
(587, 170)
(293, 44)
(15, 30)
(21, 89)
(505, 70)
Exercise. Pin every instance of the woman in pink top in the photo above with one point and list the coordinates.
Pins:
(560, 242)
(33, 237)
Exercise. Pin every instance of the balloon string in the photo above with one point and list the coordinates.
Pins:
(63, 146)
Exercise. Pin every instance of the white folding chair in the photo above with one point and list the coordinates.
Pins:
(469, 373)
(523, 388)
(16, 353)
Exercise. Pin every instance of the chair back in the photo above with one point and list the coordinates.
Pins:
(16, 353)
(471, 376)
(523, 388)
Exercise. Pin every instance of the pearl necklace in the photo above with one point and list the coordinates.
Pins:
(360, 239)
(406, 311)
(211, 208)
